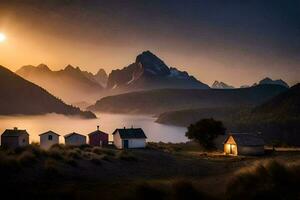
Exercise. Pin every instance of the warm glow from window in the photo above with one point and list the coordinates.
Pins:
(2, 37)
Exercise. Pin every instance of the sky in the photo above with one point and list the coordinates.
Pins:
(238, 42)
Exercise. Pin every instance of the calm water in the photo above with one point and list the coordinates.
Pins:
(63, 125)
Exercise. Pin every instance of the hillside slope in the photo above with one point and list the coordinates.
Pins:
(159, 101)
(19, 96)
(70, 84)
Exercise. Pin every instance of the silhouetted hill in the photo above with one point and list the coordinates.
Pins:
(71, 84)
(286, 104)
(268, 80)
(19, 96)
(159, 101)
(150, 72)
(278, 119)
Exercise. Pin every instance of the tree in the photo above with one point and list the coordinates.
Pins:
(205, 131)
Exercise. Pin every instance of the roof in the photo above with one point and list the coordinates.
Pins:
(71, 134)
(245, 139)
(97, 132)
(131, 133)
(14, 133)
(49, 132)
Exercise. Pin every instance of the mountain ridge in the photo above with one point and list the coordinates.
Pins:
(66, 83)
(150, 72)
(19, 96)
(162, 100)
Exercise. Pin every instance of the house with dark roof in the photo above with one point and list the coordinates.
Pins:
(127, 138)
(98, 138)
(13, 138)
(48, 139)
(244, 144)
(75, 139)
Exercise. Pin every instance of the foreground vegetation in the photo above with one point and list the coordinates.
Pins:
(162, 171)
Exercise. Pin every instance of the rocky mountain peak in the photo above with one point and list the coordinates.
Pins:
(221, 85)
(151, 64)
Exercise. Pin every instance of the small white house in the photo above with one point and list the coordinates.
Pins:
(48, 139)
(75, 139)
(244, 144)
(129, 138)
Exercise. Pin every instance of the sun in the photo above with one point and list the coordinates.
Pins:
(2, 37)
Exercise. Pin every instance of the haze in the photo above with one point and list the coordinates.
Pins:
(238, 43)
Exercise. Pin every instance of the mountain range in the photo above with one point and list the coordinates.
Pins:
(148, 72)
(19, 96)
(70, 84)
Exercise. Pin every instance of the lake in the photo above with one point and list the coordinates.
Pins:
(63, 125)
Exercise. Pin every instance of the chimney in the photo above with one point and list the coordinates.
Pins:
(97, 128)
(124, 127)
(15, 128)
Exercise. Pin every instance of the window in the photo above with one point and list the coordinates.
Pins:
(24, 140)
(49, 137)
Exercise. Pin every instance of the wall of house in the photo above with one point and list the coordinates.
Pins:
(45, 143)
(230, 149)
(117, 140)
(23, 140)
(97, 139)
(250, 150)
(10, 142)
(75, 140)
(137, 143)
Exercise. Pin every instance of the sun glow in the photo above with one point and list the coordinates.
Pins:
(2, 37)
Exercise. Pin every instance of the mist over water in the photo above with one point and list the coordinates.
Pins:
(63, 125)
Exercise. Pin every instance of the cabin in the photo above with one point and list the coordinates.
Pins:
(98, 138)
(48, 139)
(75, 139)
(244, 144)
(128, 138)
(13, 138)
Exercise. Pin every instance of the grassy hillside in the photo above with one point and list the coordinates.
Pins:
(19, 96)
(162, 171)
(278, 119)
(159, 101)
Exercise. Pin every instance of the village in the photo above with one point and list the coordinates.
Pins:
(84, 165)
(124, 138)
(127, 138)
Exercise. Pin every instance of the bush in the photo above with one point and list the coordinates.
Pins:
(148, 191)
(271, 180)
(127, 156)
(184, 190)
(51, 167)
(27, 158)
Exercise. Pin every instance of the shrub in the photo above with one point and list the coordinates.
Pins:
(56, 153)
(271, 180)
(148, 191)
(8, 163)
(127, 156)
(184, 190)
(74, 154)
(27, 158)
(51, 167)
